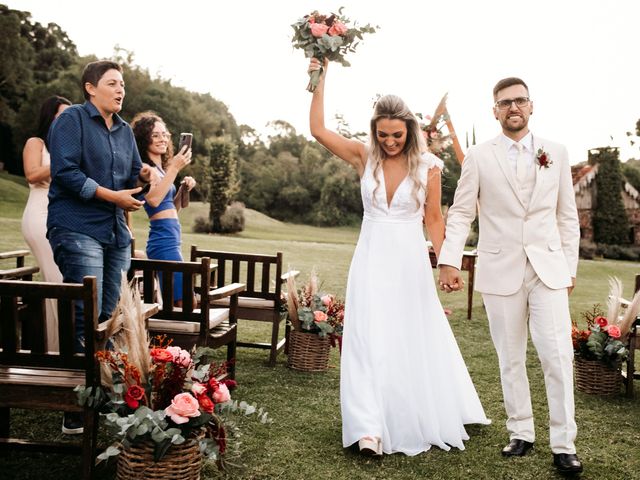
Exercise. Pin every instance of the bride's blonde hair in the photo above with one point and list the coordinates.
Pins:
(393, 107)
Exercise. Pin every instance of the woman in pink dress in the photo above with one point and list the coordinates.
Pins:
(35, 158)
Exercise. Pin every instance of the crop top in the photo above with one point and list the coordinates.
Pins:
(167, 201)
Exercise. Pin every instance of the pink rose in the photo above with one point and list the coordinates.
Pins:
(222, 394)
(338, 28)
(318, 29)
(198, 389)
(613, 331)
(602, 321)
(319, 316)
(180, 357)
(183, 406)
(327, 300)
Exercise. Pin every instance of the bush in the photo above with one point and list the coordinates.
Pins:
(588, 249)
(232, 220)
(618, 252)
(202, 225)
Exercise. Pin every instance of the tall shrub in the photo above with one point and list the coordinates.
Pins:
(610, 223)
(221, 178)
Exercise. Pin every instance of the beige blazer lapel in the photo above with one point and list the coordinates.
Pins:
(539, 171)
(501, 155)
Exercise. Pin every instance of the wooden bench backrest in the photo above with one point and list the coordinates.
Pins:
(260, 273)
(25, 302)
(195, 277)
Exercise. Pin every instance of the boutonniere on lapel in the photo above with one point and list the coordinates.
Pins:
(543, 159)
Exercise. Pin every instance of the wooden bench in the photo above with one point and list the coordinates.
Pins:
(468, 265)
(20, 272)
(34, 378)
(634, 343)
(203, 324)
(262, 299)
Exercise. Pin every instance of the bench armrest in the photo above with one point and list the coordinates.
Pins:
(18, 273)
(227, 291)
(289, 274)
(14, 254)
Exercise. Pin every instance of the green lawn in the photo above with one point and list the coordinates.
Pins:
(304, 442)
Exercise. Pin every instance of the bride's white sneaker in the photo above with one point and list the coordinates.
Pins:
(370, 445)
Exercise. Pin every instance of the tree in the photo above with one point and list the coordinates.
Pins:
(221, 179)
(610, 223)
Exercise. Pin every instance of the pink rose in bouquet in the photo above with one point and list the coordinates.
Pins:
(183, 407)
(326, 36)
(613, 331)
(221, 395)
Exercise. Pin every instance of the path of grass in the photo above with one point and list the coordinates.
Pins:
(304, 440)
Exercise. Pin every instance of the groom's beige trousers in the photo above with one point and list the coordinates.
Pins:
(549, 321)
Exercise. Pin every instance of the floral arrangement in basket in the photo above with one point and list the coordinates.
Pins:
(161, 393)
(312, 311)
(605, 338)
(327, 36)
(437, 140)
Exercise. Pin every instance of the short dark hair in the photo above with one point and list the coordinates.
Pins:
(94, 71)
(508, 82)
(48, 112)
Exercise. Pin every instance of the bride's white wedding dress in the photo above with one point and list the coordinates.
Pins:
(402, 376)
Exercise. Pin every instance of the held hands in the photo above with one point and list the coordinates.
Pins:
(450, 279)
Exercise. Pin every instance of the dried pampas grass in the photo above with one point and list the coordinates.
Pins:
(127, 332)
(616, 315)
(292, 301)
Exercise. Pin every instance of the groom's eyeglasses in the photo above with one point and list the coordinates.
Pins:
(506, 103)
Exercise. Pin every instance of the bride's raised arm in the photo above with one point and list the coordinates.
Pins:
(351, 151)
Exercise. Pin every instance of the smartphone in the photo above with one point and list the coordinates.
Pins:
(145, 189)
(185, 139)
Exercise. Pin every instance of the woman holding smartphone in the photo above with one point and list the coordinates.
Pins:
(154, 145)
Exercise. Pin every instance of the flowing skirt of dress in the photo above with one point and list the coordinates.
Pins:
(403, 378)
(34, 230)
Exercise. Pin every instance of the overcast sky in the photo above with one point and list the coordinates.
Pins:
(580, 59)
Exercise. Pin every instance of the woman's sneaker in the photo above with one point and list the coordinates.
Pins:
(72, 423)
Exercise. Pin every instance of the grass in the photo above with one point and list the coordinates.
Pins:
(304, 442)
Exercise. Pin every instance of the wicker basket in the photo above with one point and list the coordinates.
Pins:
(181, 462)
(308, 352)
(594, 378)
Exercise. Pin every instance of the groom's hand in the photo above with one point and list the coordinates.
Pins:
(450, 279)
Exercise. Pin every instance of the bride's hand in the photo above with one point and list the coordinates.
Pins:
(315, 65)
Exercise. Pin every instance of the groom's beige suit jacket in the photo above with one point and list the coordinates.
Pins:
(544, 229)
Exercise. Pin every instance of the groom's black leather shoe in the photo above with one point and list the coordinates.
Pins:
(567, 463)
(517, 448)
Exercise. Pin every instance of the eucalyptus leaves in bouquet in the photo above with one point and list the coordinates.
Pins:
(327, 36)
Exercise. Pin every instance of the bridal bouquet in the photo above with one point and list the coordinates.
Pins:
(327, 36)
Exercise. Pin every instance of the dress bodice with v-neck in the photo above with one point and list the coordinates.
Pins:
(403, 205)
(402, 377)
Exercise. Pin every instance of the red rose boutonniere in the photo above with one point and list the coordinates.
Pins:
(543, 159)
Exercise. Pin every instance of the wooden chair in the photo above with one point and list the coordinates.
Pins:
(205, 324)
(260, 302)
(36, 379)
(20, 272)
(634, 343)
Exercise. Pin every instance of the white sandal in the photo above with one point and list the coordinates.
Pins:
(370, 446)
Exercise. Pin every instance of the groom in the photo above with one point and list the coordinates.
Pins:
(527, 261)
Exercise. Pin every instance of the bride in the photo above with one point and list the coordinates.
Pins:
(404, 386)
